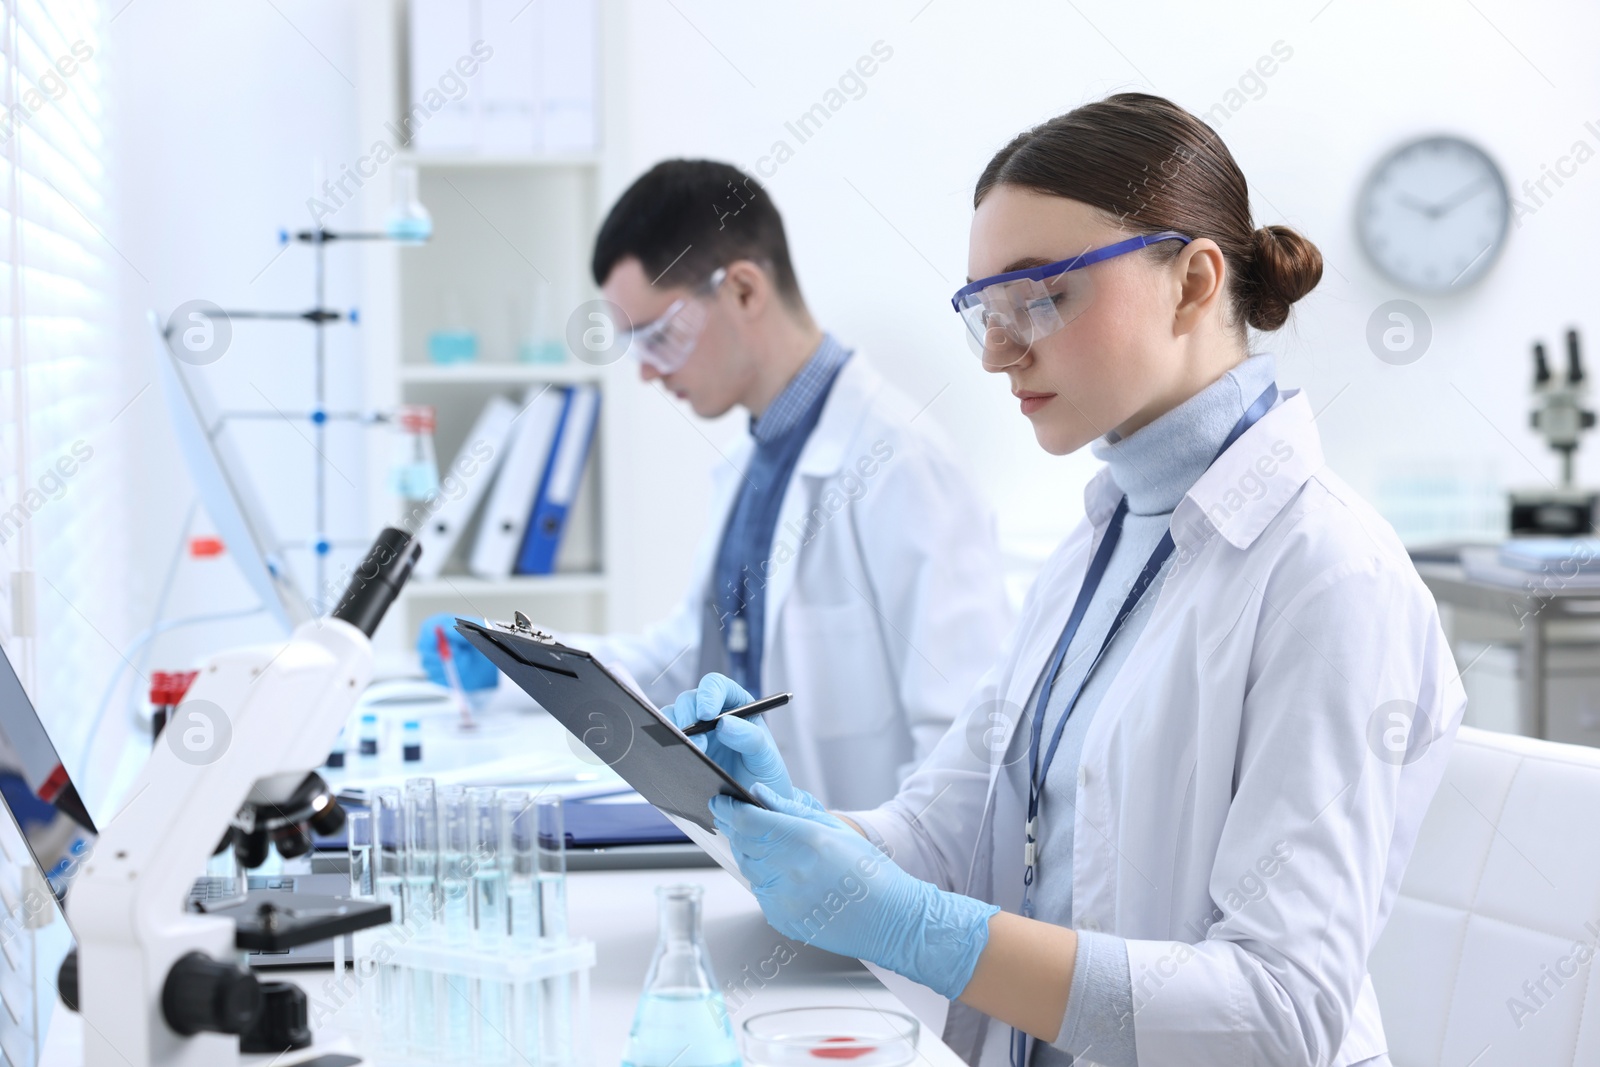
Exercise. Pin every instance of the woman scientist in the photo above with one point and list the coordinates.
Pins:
(1173, 818)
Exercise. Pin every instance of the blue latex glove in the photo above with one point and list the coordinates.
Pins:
(743, 748)
(473, 666)
(820, 882)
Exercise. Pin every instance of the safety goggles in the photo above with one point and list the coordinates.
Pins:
(1006, 313)
(665, 343)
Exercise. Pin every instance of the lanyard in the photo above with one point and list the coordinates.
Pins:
(1037, 773)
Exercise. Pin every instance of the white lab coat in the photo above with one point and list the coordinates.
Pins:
(1245, 725)
(884, 601)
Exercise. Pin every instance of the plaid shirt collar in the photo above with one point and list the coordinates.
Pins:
(790, 406)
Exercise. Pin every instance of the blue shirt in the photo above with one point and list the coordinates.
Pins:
(739, 579)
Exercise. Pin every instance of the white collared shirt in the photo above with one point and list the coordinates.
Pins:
(1249, 792)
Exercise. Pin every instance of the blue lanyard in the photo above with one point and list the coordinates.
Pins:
(1038, 774)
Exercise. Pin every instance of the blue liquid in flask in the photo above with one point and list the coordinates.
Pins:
(682, 1020)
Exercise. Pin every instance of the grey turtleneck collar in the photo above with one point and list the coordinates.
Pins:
(1158, 463)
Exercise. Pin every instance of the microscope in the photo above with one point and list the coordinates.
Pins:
(1561, 419)
(158, 982)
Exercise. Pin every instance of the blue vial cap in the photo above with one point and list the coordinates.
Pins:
(283, 236)
(323, 547)
(355, 316)
(318, 416)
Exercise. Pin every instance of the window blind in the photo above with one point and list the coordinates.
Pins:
(62, 503)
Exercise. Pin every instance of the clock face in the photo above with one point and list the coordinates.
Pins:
(1433, 214)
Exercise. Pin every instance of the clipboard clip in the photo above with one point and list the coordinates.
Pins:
(522, 626)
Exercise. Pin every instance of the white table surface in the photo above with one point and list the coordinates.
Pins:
(616, 909)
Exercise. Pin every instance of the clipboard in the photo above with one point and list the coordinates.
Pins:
(614, 722)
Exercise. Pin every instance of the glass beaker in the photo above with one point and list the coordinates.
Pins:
(682, 1020)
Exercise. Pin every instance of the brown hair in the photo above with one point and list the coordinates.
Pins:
(1154, 166)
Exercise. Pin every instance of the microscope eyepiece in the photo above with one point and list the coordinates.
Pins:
(378, 579)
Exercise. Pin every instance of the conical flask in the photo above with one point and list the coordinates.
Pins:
(682, 1020)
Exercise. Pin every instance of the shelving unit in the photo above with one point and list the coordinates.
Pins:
(502, 227)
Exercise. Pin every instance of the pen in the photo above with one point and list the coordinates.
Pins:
(705, 726)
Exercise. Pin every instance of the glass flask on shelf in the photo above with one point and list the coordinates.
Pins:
(415, 473)
(682, 1020)
(408, 221)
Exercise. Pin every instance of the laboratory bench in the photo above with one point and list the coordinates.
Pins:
(617, 910)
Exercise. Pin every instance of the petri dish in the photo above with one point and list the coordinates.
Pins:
(830, 1037)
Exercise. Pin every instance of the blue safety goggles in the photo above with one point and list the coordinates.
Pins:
(1006, 313)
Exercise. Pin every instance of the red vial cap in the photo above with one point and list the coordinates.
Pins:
(205, 547)
(416, 418)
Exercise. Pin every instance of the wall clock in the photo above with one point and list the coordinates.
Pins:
(1433, 214)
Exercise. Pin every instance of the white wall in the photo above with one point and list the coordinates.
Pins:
(221, 110)
(224, 107)
(878, 202)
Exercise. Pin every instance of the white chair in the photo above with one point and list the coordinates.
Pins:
(1488, 956)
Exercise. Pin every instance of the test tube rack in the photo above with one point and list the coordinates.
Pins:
(432, 1005)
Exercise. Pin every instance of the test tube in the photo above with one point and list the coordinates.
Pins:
(494, 998)
(423, 909)
(519, 848)
(455, 875)
(519, 855)
(422, 855)
(555, 995)
(358, 828)
(458, 1003)
(488, 873)
(552, 855)
(389, 885)
(389, 844)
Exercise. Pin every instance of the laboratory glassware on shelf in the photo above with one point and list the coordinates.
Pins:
(478, 967)
(682, 1020)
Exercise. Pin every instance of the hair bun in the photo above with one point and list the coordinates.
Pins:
(1284, 267)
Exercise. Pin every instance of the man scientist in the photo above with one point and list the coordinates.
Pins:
(849, 558)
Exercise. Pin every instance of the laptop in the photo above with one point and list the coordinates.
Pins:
(50, 813)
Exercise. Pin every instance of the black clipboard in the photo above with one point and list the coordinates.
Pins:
(619, 726)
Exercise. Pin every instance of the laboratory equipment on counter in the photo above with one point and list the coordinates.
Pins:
(682, 1020)
(158, 983)
(1561, 419)
(799, 1037)
(336, 754)
(480, 969)
(369, 734)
